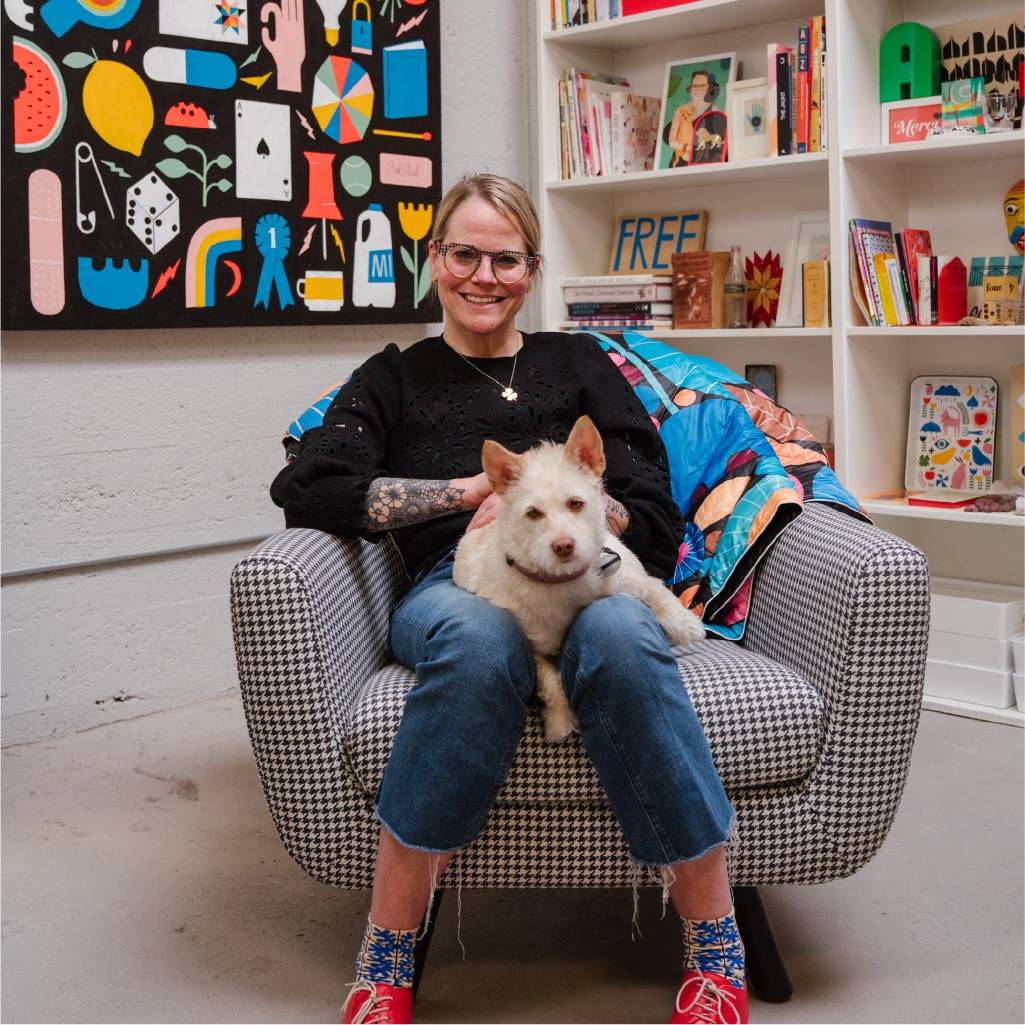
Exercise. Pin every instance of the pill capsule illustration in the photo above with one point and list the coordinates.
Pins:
(200, 68)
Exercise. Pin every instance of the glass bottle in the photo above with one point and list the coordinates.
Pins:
(736, 291)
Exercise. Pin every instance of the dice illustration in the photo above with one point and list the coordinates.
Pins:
(152, 212)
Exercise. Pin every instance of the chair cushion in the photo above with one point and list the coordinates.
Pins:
(762, 720)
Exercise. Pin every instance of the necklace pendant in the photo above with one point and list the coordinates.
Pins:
(509, 395)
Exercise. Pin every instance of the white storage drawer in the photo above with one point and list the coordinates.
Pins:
(978, 610)
(968, 683)
(1019, 691)
(981, 652)
(1018, 650)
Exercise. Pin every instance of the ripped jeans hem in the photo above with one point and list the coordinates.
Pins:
(731, 835)
(416, 847)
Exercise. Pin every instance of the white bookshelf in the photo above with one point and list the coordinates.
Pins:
(858, 376)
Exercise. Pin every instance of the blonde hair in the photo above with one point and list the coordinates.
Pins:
(503, 194)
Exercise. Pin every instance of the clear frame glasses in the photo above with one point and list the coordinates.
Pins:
(462, 260)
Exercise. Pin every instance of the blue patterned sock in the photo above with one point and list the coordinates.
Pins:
(386, 955)
(714, 945)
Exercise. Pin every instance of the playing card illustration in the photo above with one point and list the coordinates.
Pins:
(263, 151)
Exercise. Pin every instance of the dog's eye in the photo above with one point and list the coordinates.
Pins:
(534, 514)
(575, 504)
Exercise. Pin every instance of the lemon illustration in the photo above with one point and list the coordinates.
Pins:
(116, 101)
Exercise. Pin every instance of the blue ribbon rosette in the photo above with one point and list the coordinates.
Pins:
(273, 240)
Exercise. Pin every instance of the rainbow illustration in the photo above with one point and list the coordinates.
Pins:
(210, 242)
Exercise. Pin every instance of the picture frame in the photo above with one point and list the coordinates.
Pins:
(910, 120)
(749, 119)
(763, 377)
(808, 240)
(694, 118)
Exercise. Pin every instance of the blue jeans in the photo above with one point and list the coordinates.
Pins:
(465, 717)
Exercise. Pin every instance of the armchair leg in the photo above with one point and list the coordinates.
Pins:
(423, 944)
(765, 968)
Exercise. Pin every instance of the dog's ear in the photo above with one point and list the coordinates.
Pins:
(584, 446)
(502, 466)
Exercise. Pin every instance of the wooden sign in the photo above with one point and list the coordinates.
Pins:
(645, 243)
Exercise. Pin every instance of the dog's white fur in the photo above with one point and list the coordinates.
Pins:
(551, 523)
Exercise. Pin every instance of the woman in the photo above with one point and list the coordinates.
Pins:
(400, 451)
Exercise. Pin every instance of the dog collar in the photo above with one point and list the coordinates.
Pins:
(545, 578)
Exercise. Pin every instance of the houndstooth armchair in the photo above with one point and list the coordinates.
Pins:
(811, 719)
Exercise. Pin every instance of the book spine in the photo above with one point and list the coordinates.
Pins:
(824, 119)
(772, 126)
(905, 279)
(882, 279)
(576, 147)
(618, 100)
(597, 294)
(638, 323)
(783, 130)
(924, 291)
(859, 249)
(564, 171)
(815, 99)
(617, 309)
(897, 291)
(934, 291)
(803, 90)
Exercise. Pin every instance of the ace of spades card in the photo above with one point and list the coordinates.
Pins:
(263, 151)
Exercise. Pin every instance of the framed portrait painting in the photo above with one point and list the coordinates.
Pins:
(694, 121)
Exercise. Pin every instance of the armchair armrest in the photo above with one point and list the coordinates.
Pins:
(310, 616)
(846, 605)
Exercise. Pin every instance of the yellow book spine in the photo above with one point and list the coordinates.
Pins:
(815, 67)
(883, 280)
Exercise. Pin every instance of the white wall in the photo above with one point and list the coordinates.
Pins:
(117, 444)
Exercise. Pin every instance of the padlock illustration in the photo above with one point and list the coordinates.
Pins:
(362, 30)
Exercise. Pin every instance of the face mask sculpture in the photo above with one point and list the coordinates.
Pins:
(1014, 215)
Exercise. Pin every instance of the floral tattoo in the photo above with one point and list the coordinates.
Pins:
(393, 502)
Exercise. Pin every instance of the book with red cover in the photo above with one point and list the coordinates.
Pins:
(911, 244)
(803, 90)
(642, 6)
(951, 289)
(939, 500)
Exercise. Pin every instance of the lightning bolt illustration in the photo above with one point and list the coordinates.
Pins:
(338, 241)
(119, 171)
(306, 125)
(412, 23)
(166, 277)
(257, 80)
(308, 240)
(251, 59)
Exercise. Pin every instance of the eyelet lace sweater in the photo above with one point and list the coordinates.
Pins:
(424, 413)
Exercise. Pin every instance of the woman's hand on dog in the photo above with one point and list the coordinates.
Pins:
(485, 512)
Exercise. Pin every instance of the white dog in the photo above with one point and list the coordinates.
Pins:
(548, 552)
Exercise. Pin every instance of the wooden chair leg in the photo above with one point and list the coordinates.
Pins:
(423, 944)
(765, 968)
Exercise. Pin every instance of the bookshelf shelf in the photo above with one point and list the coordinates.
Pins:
(952, 331)
(698, 19)
(958, 149)
(753, 335)
(899, 507)
(741, 172)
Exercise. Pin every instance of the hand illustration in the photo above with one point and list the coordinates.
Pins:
(288, 45)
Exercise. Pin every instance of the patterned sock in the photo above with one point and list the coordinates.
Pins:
(714, 945)
(386, 955)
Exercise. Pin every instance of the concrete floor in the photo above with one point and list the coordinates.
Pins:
(143, 882)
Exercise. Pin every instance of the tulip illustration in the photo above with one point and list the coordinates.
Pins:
(416, 221)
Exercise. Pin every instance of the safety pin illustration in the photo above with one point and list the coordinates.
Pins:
(87, 221)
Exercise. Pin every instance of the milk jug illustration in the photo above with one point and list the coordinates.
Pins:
(373, 281)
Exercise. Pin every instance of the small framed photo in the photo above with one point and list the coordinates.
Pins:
(749, 121)
(808, 240)
(911, 120)
(763, 377)
(694, 119)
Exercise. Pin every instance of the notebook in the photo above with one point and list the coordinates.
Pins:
(405, 80)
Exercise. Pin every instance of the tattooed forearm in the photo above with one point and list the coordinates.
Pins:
(393, 502)
(616, 517)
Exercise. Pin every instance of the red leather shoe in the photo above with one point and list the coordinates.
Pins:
(377, 1004)
(709, 999)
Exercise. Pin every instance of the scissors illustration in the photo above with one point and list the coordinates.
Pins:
(87, 221)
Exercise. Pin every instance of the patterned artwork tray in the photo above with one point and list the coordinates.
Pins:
(951, 434)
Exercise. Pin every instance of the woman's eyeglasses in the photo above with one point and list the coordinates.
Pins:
(463, 260)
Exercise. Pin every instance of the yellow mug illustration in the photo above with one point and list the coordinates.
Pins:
(322, 290)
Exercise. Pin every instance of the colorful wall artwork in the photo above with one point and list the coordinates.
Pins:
(205, 163)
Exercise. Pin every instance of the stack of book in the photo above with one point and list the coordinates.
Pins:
(603, 127)
(796, 95)
(619, 301)
(568, 13)
(897, 280)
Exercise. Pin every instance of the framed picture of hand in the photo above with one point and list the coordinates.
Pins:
(694, 120)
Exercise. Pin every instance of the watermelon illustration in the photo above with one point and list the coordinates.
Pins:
(42, 105)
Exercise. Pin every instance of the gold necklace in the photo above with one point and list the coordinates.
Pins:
(507, 389)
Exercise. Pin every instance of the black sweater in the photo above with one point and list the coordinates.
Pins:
(423, 413)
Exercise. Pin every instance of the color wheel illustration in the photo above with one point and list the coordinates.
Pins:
(343, 99)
